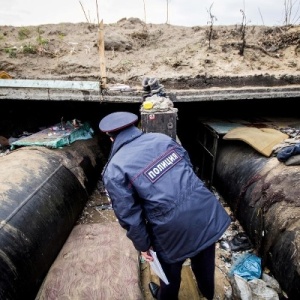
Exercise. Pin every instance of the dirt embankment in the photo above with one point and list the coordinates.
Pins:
(182, 57)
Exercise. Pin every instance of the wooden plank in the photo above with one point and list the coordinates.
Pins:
(102, 56)
(188, 287)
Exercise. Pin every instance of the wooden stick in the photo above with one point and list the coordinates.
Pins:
(102, 56)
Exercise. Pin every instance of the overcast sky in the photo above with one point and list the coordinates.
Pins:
(179, 12)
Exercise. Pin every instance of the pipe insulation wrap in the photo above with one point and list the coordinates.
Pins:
(264, 195)
(42, 193)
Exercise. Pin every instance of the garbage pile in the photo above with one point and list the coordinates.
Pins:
(155, 98)
(243, 267)
(57, 136)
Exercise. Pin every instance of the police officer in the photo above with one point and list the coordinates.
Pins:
(162, 203)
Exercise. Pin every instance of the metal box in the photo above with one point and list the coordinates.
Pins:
(163, 122)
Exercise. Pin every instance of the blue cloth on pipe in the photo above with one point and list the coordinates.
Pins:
(286, 152)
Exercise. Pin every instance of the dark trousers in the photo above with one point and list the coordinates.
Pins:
(203, 266)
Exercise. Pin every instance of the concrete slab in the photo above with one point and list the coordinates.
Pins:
(90, 91)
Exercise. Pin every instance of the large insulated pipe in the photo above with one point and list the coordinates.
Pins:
(264, 194)
(42, 193)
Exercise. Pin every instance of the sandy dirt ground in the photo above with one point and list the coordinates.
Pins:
(133, 50)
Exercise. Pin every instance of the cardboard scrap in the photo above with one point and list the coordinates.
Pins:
(261, 139)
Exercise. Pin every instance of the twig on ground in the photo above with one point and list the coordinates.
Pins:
(87, 19)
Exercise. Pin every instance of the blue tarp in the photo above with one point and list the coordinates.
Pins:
(56, 136)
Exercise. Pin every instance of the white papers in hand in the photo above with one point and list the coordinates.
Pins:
(156, 267)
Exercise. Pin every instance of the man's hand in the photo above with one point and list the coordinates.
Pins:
(147, 256)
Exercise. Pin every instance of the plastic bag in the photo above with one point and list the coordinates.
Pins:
(247, 266)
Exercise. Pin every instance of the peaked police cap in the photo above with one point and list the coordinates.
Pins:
(117, 121)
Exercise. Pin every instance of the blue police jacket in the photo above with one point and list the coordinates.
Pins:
(158, 198)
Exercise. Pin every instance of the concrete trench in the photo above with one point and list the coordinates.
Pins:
(77, 168)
